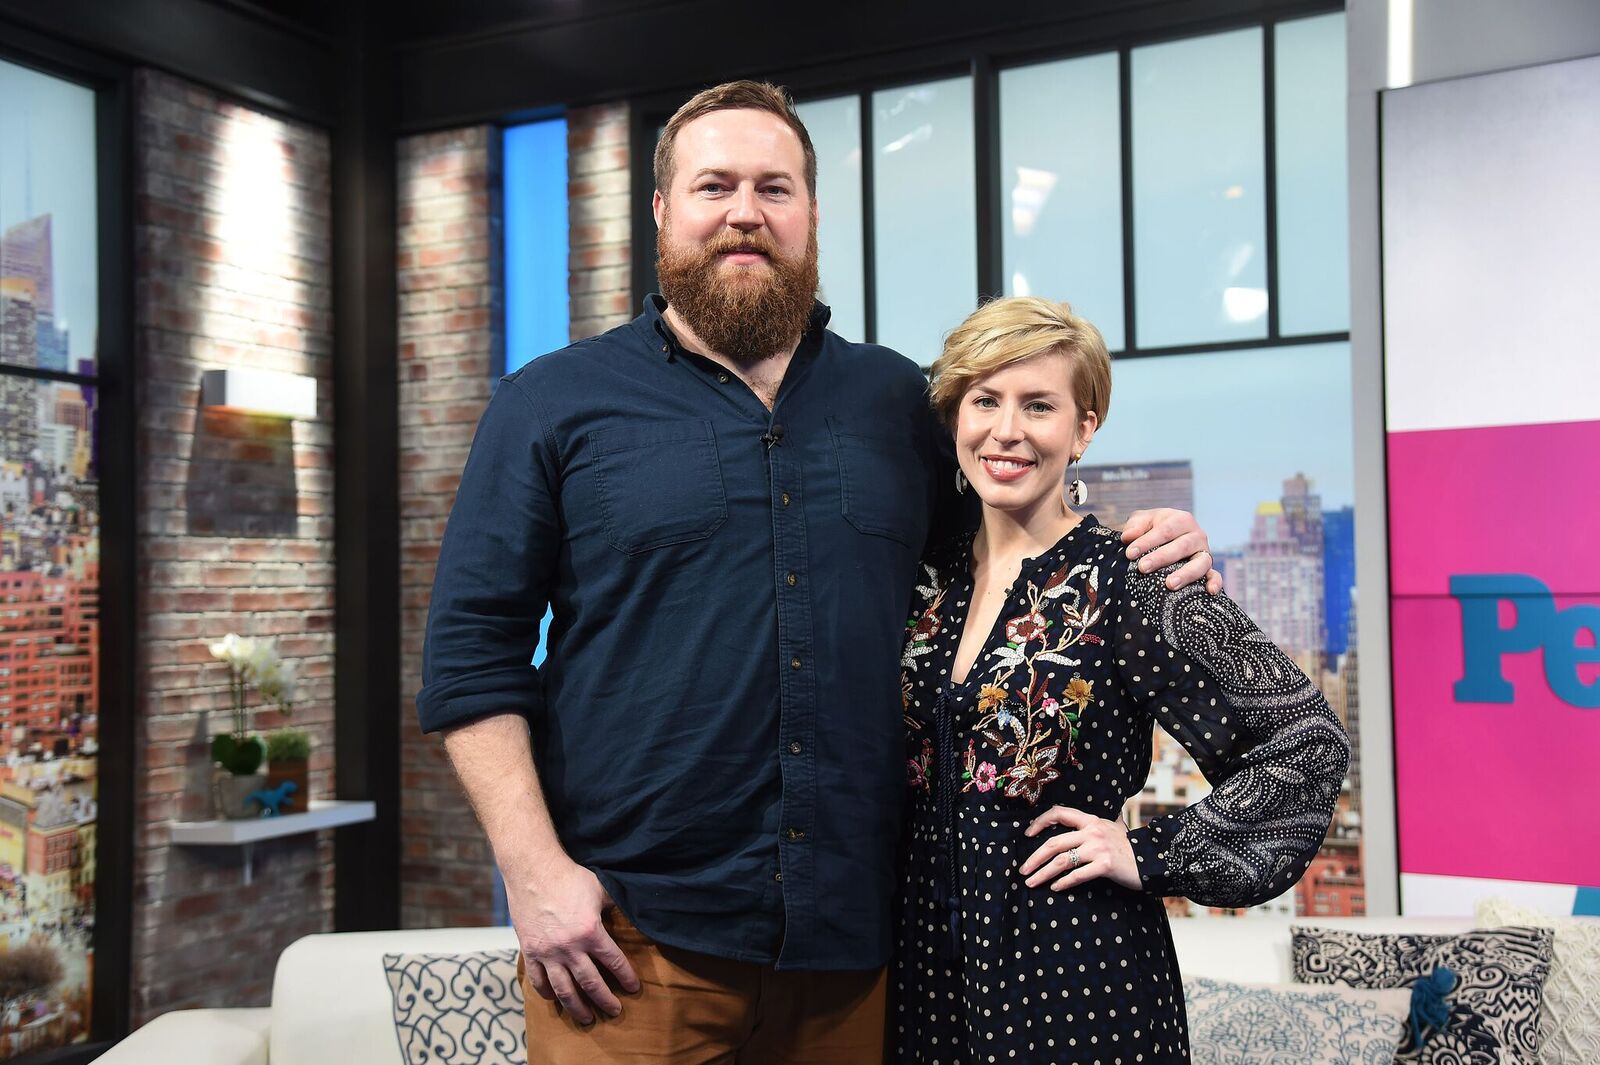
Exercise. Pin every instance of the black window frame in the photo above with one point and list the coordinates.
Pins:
(984, 60)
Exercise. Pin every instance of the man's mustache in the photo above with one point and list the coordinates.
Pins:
(743, 243)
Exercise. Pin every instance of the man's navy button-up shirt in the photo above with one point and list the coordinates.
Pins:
(717, 723)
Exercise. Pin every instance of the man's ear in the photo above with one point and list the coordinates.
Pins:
(658, 206)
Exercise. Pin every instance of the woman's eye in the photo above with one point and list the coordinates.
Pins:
(984, 401)
(1039, 408)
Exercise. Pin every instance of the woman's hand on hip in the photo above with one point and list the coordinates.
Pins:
(1090, 848)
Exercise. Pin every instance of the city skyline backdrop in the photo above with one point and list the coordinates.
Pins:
(1244, 420)
(47, 169)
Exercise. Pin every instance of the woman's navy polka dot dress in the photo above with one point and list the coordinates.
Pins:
(1058, 709)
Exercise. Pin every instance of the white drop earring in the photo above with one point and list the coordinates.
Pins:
(1077, 491)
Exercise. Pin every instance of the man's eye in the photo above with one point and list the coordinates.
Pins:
(711, 187)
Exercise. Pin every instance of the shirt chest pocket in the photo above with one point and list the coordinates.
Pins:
(658, 484)
(881, 485)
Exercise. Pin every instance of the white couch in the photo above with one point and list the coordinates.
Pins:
(331, 1004)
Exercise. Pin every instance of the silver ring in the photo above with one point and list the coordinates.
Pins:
(1073, 861)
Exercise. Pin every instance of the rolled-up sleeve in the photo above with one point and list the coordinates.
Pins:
(495, 567)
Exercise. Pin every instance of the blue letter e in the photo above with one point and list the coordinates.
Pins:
(1483, 641)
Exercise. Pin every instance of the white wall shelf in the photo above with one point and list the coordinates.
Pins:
(246, 832)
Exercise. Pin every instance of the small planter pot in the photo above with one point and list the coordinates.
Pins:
(290, 770)
(231, 794)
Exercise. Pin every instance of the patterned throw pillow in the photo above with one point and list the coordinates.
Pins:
(1494, 1009)
(1569, 1026)
(1292, 1024)
(458, 1009)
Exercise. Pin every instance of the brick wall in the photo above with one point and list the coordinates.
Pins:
(451, 322)
(235, 523)
(599, 203)
(451, 335)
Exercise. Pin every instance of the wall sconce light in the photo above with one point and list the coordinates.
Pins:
(282, 395)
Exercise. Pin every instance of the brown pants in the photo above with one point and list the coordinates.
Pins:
(694, 1009)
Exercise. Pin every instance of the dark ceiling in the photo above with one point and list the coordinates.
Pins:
(419, 23)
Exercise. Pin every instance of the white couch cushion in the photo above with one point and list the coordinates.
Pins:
(331, 1004)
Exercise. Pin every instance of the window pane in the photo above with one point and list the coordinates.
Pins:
(835, 128)
(924, 217)
(1199, 207)
(1313, 234)
(49, 687)
(49, 232)
(535, 175)
(1061, 177)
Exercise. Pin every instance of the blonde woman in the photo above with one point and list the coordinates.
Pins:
(1037, 662)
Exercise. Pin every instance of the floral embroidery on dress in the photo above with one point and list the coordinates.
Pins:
(976, 774)
(919, 770)
(1025, 724)
(923, 627)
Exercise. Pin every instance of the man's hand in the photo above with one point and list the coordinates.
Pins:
(563, 943)
(1161, 537)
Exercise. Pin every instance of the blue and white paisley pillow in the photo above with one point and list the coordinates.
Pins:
(458, 1009)
(1494, 1006)
(1292, 1024)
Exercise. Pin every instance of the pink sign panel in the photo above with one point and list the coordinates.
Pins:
(1508, 499)
(1496, 615)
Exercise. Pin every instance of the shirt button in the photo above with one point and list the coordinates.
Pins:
(778, 877)
(795, 835)
(794, 663)
(722, 378)
(792, 579)
(664, 347)
(785, 498)
(794, 748)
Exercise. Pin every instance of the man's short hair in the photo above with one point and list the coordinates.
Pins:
(1014, 328)
(733, 96)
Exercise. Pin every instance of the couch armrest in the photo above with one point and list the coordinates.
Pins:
(331, 1003)
(217, 1037)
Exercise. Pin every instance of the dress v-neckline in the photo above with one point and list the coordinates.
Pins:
(970, 586)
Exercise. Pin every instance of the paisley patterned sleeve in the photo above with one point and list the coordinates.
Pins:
(1259, 730)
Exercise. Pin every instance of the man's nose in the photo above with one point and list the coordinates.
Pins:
(743, 211)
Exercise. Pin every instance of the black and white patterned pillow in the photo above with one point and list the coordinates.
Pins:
(1494, 1007)
(1279, 1024)
(458, 1009)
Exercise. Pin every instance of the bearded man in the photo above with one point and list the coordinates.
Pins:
(695, 800)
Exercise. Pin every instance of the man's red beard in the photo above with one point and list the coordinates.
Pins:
(745, 313)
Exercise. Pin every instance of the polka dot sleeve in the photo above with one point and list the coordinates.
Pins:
(1258, 729)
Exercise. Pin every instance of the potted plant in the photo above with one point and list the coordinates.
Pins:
(288, 752)
(238, 753)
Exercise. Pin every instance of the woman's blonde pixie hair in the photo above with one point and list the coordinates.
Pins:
(1008, 330)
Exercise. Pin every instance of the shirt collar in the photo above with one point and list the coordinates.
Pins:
(656, 331)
